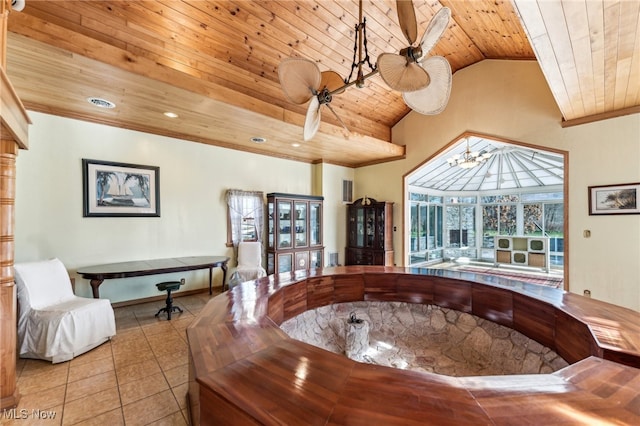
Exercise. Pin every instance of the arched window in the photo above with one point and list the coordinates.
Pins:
(478, 188)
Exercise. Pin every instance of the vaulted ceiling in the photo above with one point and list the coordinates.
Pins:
(215, 63)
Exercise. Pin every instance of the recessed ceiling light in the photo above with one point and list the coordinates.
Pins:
(295, 144)
(171, 114)
(258, 139)
(101, 103)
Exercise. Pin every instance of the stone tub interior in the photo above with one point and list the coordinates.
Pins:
(425, 338)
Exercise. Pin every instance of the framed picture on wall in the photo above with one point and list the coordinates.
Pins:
(120, 189)
(614, 199)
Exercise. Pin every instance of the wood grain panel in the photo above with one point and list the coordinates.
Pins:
(275, 309)
(215, 312)
(535, 319)
(588, 52)
(192, 101)
(603, 320)
(573, 340)
(320, 292)
(349, 288)
(290, 383)
(583, 393)
(621, 357)
(215, 410)
(416, 289)
(13, 135)
(14, 121)
(381, 287)
(493, 304)
(227, 343)
(453, 294)
(373, 397)
(9, 394)
(295, 300)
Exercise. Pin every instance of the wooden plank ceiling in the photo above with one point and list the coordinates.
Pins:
(214, 63)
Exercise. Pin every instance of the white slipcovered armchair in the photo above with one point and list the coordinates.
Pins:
(249, 263)
(53, 323)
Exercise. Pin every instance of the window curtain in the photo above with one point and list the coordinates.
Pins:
(246, 208)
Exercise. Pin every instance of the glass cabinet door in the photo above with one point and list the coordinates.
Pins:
(379, 229)
(301, 224)
(315, 220)
(285, 262)
(302, 260)
(370, 227)
(285, 224)
(271, 263)
(270, 229)
(357, 229)
(315, 260)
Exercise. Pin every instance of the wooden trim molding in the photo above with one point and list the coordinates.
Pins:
(243, 369)
(599, 117)
(5, 6)
(9, 395)
(14, 134)
(14, 121)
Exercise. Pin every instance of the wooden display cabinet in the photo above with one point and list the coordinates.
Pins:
(369, 233)
(294, 232)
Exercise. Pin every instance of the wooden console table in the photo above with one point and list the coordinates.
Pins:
(98, 273)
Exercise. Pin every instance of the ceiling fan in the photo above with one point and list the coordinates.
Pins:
(425, 83)
(302, 81)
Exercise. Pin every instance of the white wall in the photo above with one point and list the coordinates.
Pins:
(335, 232)
(193, 180)
(510, 99)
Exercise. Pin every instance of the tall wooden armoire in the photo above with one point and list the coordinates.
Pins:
(369, 233)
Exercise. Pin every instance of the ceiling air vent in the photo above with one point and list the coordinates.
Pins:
(101, 103)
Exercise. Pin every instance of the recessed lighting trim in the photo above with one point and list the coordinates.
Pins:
(101, 103)
(258, 139)
(171, 114)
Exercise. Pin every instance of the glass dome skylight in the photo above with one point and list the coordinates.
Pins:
(507, 167)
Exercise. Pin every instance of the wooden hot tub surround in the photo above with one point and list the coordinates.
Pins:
(245, 370)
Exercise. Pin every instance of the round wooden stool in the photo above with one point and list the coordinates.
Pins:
(169, 286)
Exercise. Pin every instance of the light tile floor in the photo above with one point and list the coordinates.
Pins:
(140, 377)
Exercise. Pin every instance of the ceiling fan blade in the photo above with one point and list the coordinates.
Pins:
(433, 98)
(435, 29)
(401, 75)
(332, 81)
(407, 20)
(312, 120)
(299, 79)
